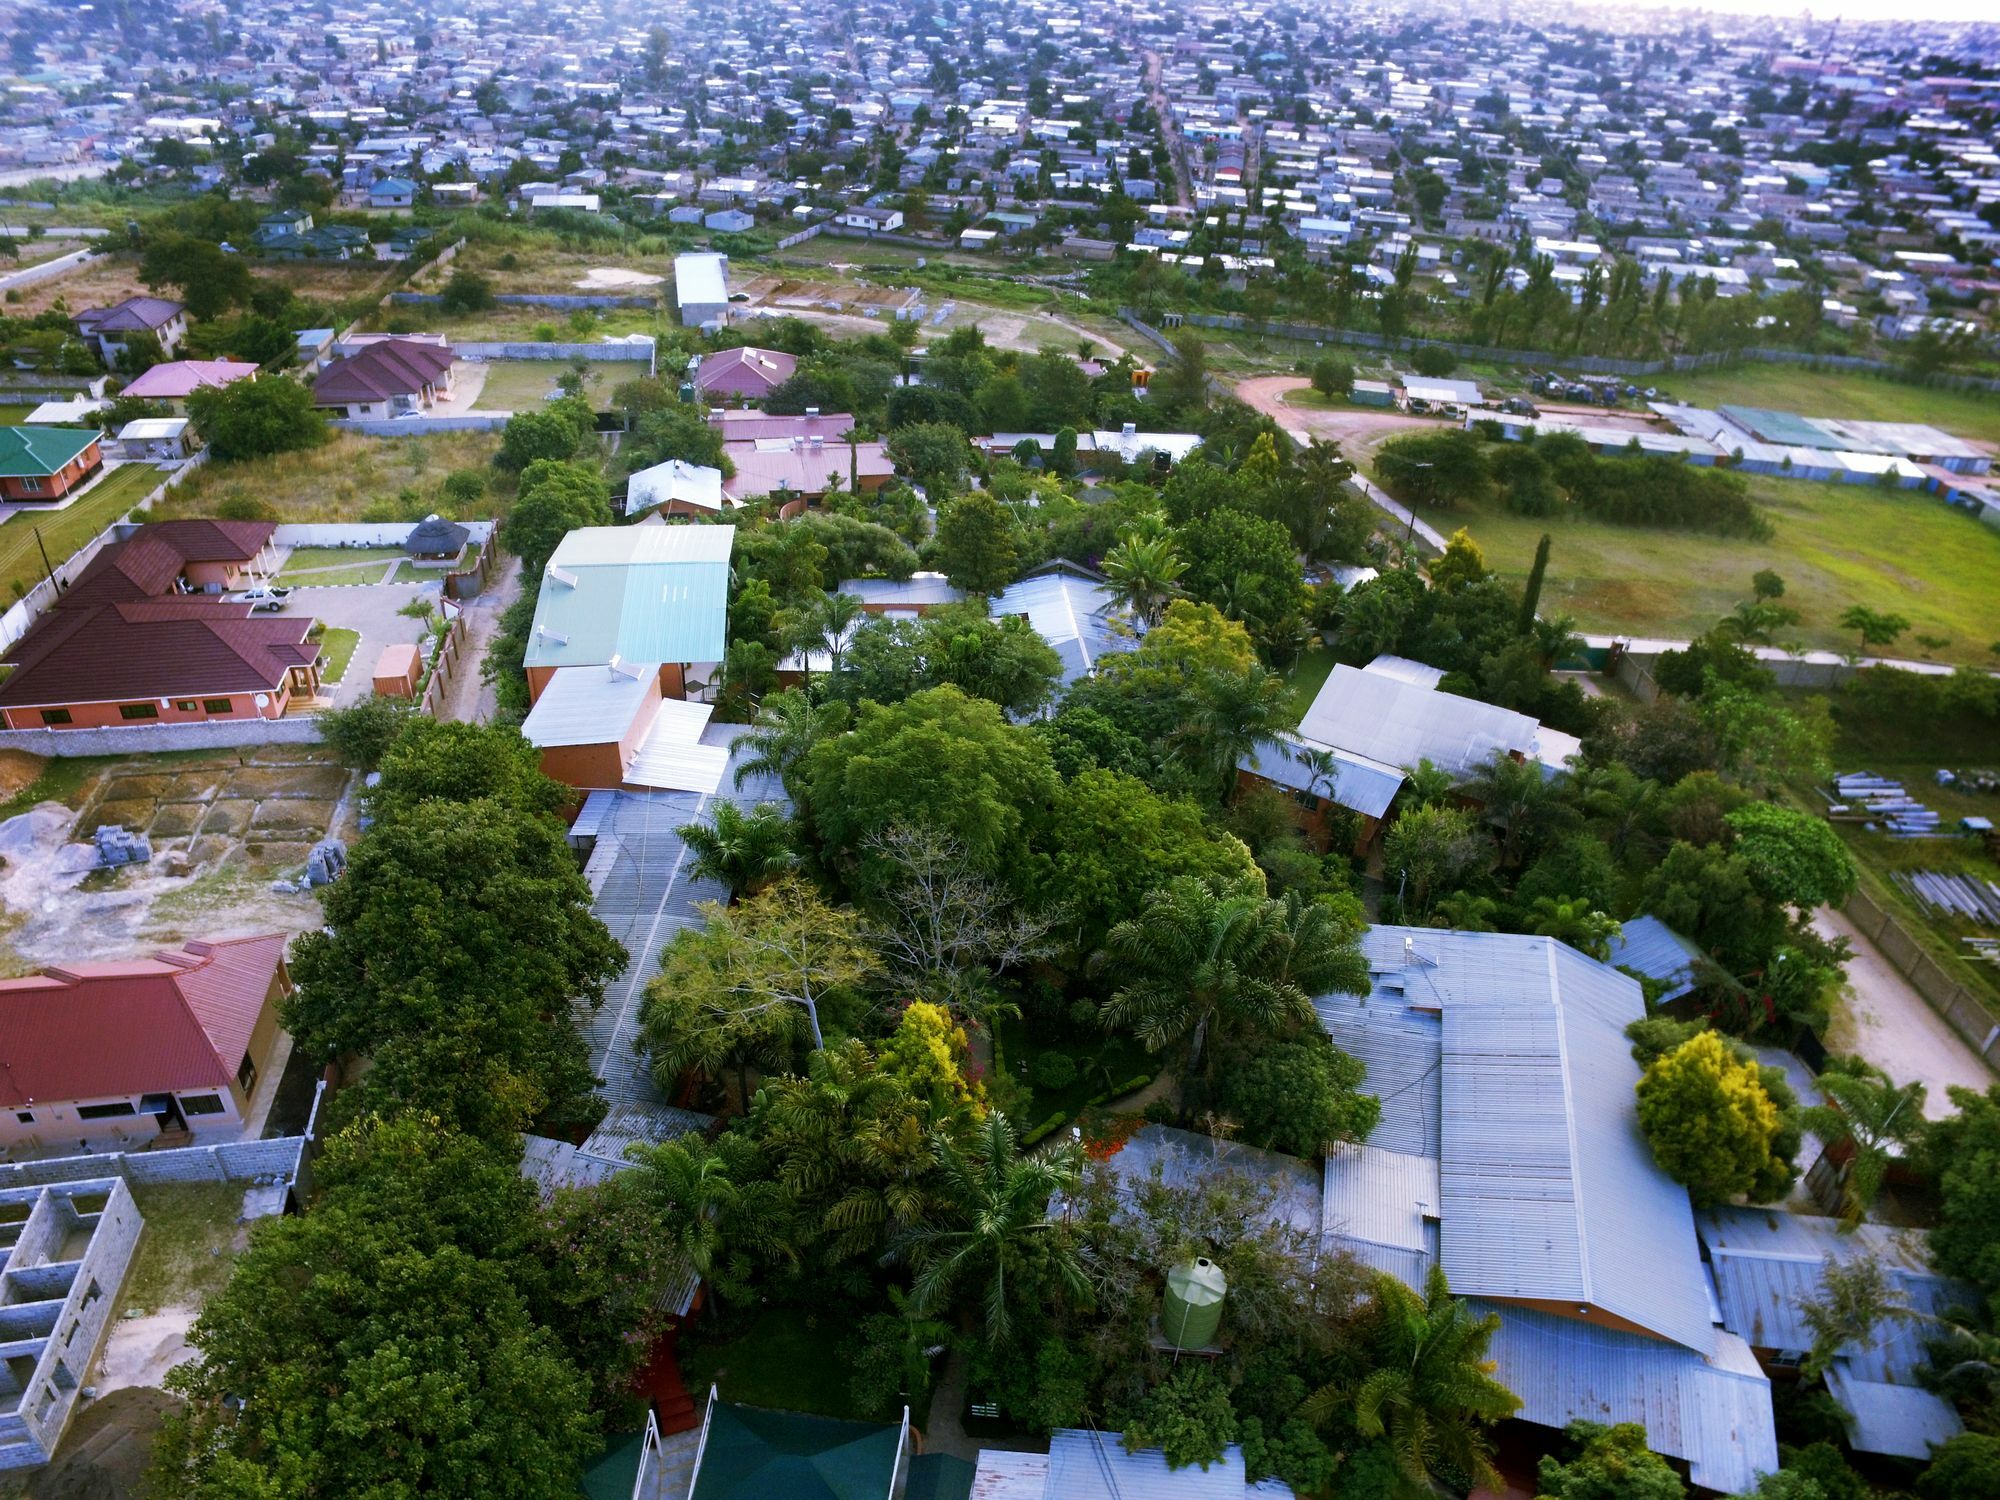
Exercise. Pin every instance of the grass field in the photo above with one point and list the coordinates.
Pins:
(1307, 676)
(337, 646)
(184, 1255)
(351, 478)
(13, 413)
(525, 384)
(63, 531)
(1835, 545)
(1824, 393)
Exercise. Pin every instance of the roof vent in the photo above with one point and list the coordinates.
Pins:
(622, 669)
(1130, 429)
(551, 635)
(562, 576)
(812, 413)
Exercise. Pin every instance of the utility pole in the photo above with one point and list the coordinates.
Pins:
(53, 585)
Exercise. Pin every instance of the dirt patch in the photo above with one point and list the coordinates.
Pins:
(137, 788)
(612, 279)
(324, 781)
(107, 1449)
(304, 815)
(228, 817)
(175, 820)
(115, 812)
(18, 769)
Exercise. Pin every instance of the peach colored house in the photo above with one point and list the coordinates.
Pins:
(124, 1053)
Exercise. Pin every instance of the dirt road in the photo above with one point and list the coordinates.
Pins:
(1359, 430)
(1169, 131)
(1886, 1021)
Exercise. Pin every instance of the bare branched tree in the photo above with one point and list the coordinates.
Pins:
(949, 928)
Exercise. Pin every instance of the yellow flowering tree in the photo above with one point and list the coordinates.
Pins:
(1711, 1124)
(928, 1054)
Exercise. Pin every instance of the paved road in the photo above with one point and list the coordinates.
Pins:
(1885, 1020)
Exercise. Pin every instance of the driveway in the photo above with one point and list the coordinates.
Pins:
(1882, 1018)
(370, 608)
(471, 697)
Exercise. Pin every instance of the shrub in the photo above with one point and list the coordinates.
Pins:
(245, 508)
(1052, 1070)
(1434, 364)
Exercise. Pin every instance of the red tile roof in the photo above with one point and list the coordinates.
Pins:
(141, 1026)
(183, 376)
(188, 647)
(145, 565)
(392, 367)
(744, 371)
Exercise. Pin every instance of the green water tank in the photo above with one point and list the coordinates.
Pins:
(1193, 1311)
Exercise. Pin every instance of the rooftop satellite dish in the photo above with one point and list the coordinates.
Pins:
(263, 700)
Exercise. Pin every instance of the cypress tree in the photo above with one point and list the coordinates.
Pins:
(1531, 596)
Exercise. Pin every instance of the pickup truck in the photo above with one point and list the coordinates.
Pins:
(265, 599)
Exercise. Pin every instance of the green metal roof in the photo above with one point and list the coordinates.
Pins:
(615, 1471)
(639, 593)
(753, 1454)
(36, 452)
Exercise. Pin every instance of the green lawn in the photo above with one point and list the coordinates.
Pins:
(63, 531)
(789, 1358)
(1307, 676)
(187, 1250)
(1835, 545)
(1826, 393)
(337, 646)
(13, 413)
(305, 560)
(526, 384)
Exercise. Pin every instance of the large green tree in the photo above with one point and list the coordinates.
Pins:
(256, 418)
(978, 543)
(1608, 1463)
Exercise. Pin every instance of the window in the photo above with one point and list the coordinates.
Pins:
(218, 705)
(31, 486)
(138, 710)
(105, 1111)
(55, 716)
(246, 1074)
(186, 706)
(201, 1104)
(25, 1116)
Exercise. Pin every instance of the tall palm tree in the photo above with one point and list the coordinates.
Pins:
(1465, 911)
(744, 851)
(1618, 801)
(788, 725)
(1872, 1117)
(828, 623)
(1554, 637)
(1431, 1391)
(995, 1228)
(1572, 920)
(1143, 573)
(1203, 956)
(1523, 802)
(1425, 785)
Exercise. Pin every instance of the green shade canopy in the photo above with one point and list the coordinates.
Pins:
(754, 1454)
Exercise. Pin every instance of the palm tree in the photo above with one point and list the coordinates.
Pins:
(1554, 638)
(1142, 574)
(788, 725)
(1228, 715)
(691, 1188)
(1464, 911)
(1572, 920)
(1425, 785)
(1620, 802)
(995, 1227)
(1870, 1116)
(1523, 802)
(1202, 956)
(827, 625)
(852, 1142)
(1431, 1392)
(743, 851)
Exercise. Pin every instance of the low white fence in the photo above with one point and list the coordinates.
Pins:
(635, 349)
(48, 270)
(142, 739)
(422, 425)
(362, 533)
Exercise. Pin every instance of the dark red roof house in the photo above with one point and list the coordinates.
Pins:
(745, 374)
(121, 1053)
(388, 378)
(128, 644)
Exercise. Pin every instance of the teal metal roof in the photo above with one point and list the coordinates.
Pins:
(638, 593)
(35, 452)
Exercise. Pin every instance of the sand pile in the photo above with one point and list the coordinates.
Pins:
(613, 279)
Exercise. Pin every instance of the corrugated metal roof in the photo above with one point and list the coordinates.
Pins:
(676, 479)
(917, 589)
(1403, 669)
(1010, 1476)
(1360, 785)
(1401, 1049)
(640, 593)
(672, 756)
(701, 280)
(1902, 1420)
(1095, 1466)
(1649, 946)
(1382, 1208)
(1074, 615)
(589, 705)
(1713, 1412)
(1185, 1158)
(1389, 721)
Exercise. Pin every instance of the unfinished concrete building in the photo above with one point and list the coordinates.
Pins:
(67, 1249)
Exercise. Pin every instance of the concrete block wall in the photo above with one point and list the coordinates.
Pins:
(1949, 997)
(237, 1161)
(139, 739)
(363, 534)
